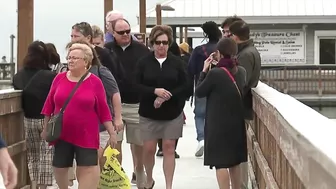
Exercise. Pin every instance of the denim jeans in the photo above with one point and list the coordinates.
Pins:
(199, 111)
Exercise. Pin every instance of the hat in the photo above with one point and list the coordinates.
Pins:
(185, 47)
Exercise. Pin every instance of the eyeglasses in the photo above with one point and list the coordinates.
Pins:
(74, 58)
(123, 32)
(161, 42)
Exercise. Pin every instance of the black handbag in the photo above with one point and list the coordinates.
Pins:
(54, 125)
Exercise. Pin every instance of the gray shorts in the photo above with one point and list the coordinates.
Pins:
(131, 117)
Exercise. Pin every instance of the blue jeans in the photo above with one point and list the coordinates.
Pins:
(199, 111)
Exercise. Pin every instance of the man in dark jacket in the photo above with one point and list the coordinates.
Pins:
(127, 52)
(249, 58)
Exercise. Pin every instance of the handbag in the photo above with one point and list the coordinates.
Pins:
(54, 125)
(233, 80)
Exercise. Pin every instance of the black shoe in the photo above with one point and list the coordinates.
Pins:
(176, 155)
(133, 181)
(159, 153)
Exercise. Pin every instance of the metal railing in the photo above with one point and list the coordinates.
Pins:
(300, 79)
(289, 79)
(7, 71)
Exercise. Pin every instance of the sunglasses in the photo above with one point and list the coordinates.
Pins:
(123, 32)
(161, 42)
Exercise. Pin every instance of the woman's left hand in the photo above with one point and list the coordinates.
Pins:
(158, 102)
(207, 62)
(113, 140)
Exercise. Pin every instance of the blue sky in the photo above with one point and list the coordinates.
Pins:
(54, 18)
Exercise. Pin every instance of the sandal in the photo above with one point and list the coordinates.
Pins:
(151, 186)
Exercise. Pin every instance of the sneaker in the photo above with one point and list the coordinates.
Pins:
(177, 156)
(200, 149)
(133, 181)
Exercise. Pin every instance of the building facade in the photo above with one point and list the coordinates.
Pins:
(284, 31)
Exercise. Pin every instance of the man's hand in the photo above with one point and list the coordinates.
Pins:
(118, 124)
(8, 169)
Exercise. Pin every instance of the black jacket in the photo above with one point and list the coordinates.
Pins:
(127, 60)
(171, 76)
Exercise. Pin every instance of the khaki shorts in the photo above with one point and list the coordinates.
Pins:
(104, 138)
(131, 117)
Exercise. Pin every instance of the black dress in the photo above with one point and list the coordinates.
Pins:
(225, 134)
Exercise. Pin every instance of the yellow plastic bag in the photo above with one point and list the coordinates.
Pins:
(112, 175)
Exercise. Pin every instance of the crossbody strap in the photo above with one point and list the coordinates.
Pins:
(73, 91)
(31, 79)
(232, 79)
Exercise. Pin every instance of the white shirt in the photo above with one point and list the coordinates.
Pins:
(161, 60)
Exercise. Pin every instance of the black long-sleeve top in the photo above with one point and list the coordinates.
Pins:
(170, 76)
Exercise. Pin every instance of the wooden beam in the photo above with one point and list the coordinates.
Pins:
(108, 6)
(25, 29)
(158, 14)
(142, 17)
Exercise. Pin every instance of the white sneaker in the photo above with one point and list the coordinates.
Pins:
(200, 149)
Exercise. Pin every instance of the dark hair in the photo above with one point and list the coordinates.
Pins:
(54, 56)
(240, 29)
(114, 22)
(227, 47)
(95, 60)
(37, 56)
(229, 20)
(174, 49)
(211, 31)
(84, 28)
(159, 30)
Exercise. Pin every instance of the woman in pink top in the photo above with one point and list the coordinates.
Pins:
(80, 133)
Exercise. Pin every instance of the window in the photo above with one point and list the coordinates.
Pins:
(325, 47)
(327, 50)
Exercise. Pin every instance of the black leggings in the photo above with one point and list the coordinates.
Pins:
(160, 144)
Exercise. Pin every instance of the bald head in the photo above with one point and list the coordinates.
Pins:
(112, 16)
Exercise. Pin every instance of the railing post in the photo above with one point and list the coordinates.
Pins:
(320, 90)
(285, 80)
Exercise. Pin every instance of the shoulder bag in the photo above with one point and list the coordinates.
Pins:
(54, 125)
(232, 79)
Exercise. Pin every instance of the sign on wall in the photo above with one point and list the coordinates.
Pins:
(280, 47)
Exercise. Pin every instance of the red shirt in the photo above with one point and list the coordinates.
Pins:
(85, 110)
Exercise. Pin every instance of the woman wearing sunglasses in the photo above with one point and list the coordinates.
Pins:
(162, 82)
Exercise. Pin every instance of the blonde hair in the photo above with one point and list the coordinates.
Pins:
(85, 48)
(97, 32)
